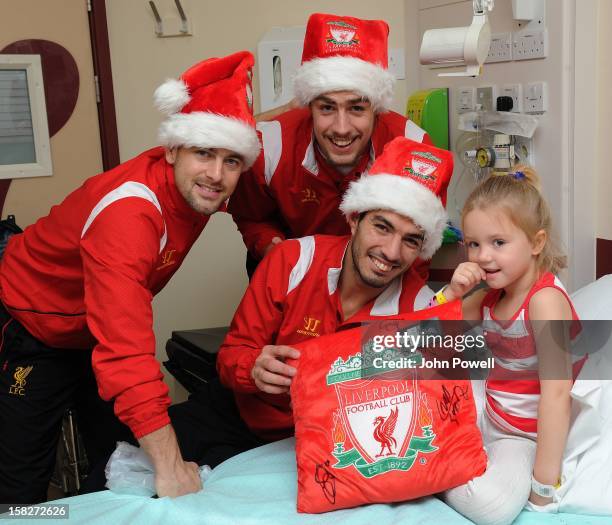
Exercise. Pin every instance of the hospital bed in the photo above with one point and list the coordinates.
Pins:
(259, 487)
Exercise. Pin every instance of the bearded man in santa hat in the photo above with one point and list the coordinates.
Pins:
(316, 285)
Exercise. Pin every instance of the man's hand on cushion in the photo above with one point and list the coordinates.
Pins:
(270, 373)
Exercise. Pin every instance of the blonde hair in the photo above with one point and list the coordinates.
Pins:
(518, 194)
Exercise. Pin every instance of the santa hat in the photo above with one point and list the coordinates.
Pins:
(211, 106)
(409, 178)
(342, 53)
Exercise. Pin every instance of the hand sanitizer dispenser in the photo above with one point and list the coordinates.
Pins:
(279, 53)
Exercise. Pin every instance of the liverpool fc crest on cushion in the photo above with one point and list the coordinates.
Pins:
(379, 419)
(366, 436)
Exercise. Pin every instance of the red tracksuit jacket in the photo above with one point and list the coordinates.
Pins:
(291, 191)
(85, 276)
(293, 297)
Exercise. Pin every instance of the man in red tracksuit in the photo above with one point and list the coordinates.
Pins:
(312, 286)
(76, 287)
(311, 155)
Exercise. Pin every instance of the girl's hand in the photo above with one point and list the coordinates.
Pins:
(466, 276)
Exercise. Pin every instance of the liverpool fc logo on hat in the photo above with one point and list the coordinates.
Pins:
(423, 165)
(411, 179)
(342, 53)
(342, 34)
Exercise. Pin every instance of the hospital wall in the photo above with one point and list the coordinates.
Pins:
(75, 148)
(604, 138)
(570, 136)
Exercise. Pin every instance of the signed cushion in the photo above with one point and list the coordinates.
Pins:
(369, 433)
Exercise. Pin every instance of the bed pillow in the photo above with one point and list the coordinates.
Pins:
(368, 434)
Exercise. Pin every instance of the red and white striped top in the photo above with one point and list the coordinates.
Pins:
(513, 386)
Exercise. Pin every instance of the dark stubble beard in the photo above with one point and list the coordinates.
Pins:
(369, 282)
(197, 206)
(346, 166)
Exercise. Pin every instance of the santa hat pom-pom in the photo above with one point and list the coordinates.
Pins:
(171, 96)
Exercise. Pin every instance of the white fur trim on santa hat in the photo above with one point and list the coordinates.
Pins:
(171, 96)
(208, 130)
(326, 75)
(401, 195)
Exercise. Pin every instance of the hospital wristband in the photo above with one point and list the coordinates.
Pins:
(545, 491)
(438, 299)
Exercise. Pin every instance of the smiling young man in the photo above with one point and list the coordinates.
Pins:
(342, 125)
(312, 286)
(205, 177)
(76, 287)
(313, 153)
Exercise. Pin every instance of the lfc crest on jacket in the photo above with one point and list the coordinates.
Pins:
(382, 423)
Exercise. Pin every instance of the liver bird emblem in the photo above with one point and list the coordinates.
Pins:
(383, 433)
(20, 375)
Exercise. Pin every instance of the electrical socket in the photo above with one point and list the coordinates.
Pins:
(516, 92)
(500, 49)
(529, 44)
(484, 98)
(466, 97)
(535, 97)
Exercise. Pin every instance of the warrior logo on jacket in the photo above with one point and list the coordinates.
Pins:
(383, 422)
(311, 327)
(167, 259)
(310, 195)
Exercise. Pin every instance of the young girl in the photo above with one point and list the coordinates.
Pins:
(507, 230)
